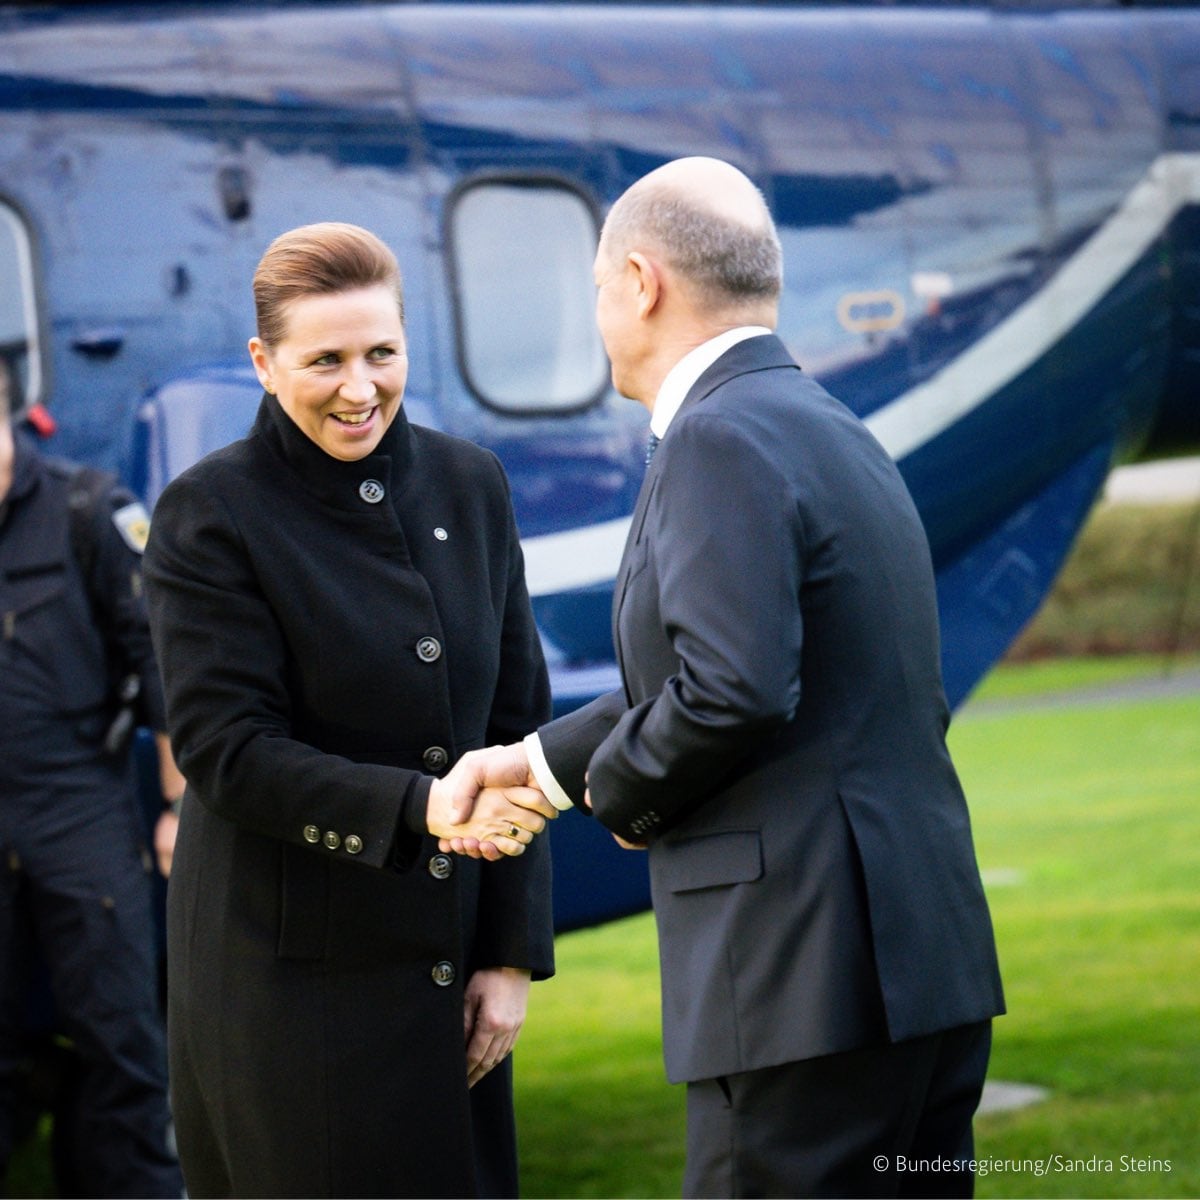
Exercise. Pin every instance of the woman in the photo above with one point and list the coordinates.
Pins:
(339, 609)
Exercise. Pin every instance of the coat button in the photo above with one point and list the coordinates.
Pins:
(435, 759)
(354, 843)
(429, 649)
(331, 840)
(371, 490)
(312, 834)
(443, 973)
(441, 866)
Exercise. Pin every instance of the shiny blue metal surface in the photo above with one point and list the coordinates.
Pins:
(990, 218)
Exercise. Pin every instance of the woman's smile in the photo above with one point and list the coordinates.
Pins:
(356, 424)
(354, 418)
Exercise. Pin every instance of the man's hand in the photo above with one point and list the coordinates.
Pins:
(629, 845)
(489, 805)
(587, 799)
(497, 766)
(172, 784)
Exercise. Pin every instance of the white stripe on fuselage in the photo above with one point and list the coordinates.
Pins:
(918, 416)
(556, 562)
(574, 558)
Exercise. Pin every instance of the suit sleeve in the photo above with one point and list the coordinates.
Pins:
(515, 917)
(569, 742)
(225, 667)
(727, 550)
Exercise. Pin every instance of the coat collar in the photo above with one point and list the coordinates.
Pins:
(342, 484)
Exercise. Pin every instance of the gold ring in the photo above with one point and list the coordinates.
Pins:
(513, 831)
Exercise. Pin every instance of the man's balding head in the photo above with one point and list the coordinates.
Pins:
(710, 225)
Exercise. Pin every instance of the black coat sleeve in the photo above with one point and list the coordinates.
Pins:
(225, 667)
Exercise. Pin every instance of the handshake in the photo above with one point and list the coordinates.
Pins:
(489, 805)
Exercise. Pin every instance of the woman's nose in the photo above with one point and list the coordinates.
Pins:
(357, 383)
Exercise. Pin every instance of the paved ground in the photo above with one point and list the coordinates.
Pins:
(1171, 681)
(999, 1096)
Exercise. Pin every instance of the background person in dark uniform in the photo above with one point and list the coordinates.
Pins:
(74, 870)
(339, 606)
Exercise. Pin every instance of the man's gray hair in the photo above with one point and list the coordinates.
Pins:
(728, 262)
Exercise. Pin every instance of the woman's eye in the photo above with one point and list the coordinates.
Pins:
(383, 352)
(326, 360)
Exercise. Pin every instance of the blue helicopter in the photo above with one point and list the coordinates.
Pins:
(990, 217)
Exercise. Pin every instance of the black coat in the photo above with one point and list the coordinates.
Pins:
(780, 739)
(325, 647)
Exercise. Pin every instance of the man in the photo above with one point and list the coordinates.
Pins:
(828, 964)
(78, 672)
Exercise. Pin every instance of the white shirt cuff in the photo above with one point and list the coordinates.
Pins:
(550, 786)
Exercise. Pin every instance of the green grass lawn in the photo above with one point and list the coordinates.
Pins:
(1087, 822)
(1094, 814)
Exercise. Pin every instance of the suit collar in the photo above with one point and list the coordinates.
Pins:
(683, 375)
(754, 354)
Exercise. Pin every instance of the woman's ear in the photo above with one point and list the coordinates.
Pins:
(262, 363)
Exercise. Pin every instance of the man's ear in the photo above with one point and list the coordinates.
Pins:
(647, 281)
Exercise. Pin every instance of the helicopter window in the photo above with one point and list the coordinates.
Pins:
(18, 312)
(521, 263)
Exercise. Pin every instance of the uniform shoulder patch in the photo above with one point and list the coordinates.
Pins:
(133, 524)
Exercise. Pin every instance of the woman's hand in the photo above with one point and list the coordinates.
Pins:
(503, 821)
(493, 1013)
(502, 769)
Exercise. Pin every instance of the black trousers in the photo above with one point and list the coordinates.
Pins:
(891, 1120)
(75, 883)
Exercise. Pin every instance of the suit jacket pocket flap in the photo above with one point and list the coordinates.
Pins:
(714, 860)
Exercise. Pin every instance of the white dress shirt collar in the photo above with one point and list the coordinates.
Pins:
(683, 375)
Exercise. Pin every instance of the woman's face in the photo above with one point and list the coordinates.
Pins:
(340, 370)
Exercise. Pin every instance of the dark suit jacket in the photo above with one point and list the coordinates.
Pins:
(780, 740)
(324, 656)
